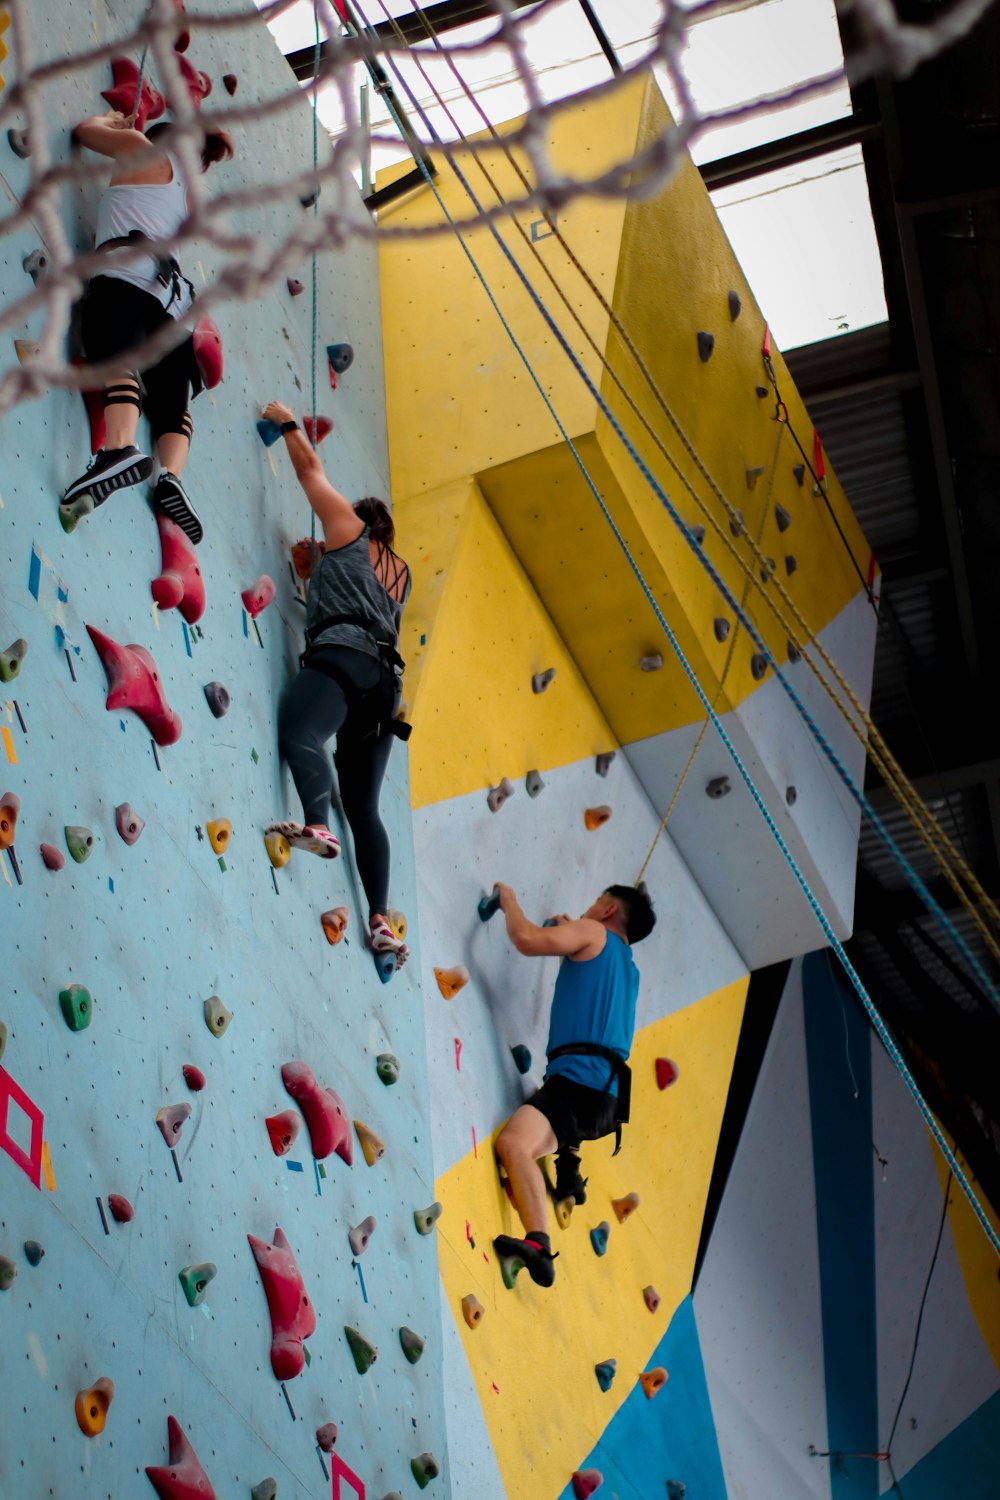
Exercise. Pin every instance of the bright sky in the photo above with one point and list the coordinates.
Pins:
(803, 235)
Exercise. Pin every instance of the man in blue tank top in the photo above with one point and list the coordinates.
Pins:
(585, 1091)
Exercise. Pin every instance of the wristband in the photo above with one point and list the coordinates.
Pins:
(292, 426)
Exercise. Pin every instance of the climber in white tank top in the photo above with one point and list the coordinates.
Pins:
(137, 294)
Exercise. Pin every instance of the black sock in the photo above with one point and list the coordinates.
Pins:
(540, 1238)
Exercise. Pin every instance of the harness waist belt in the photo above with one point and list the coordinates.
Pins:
(619, 1069)
(168, 271)
(388, 655)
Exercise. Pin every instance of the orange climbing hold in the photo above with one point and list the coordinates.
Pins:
(596, 817)
(334, 923)
(183, 1477)
(219, 833)
(373, 1148)
(653, 1380)
(10, 804)
(450, 981)
(92, 1406)
(293, 1318)
(625, 1207)
(472, 1310)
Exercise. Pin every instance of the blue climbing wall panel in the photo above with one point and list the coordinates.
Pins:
(155, 929)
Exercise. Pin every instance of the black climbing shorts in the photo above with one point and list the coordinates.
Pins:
(575, 1112)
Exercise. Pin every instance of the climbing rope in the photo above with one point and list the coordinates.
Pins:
(315, 209)
(814, 904)
(879, 753)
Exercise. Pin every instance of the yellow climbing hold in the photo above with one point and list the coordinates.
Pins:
(219, 833)
(279, 850)
(373, 1148)
(397, 921)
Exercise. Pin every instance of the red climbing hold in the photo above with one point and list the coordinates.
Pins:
(134, 683)
(183, 1477)
(199, 85)
(193, 1077)
(93, 400)
(283, 1130)
(206, 341)
(258, 596)
(666, 1072)
(323, 429)
(53, 858)
(295, 287)
(326, 1119)
(180, 584)
(121, 95)
(121, 1209)
(326, 1436)
(230, 82)
(292, 1315)
(586, 1481)
(182, 40)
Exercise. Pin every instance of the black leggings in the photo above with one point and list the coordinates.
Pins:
(348, 705)
(119, 316)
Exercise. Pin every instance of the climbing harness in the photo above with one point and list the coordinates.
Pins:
(168, 271)
(619, 1069)
(389, 659)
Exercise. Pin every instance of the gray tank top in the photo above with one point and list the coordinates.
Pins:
(344, 583)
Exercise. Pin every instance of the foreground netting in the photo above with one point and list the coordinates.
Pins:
(158, 60)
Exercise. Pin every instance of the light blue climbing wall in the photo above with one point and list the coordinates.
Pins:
(155, 929)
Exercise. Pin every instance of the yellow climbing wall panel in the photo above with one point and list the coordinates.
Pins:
(4, 24)
(533, 1341)
(976, 1255)
(471, 410)
(476, 634)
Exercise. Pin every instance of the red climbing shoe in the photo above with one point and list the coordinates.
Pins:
(384, 940)
(536, 1259)
(313, 838)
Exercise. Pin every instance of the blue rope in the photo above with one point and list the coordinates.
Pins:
(821, 917)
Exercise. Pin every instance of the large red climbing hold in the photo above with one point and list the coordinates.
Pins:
(326, 1118)
(586, 1481)
(182, 1478)
(293, 1318)
(134, 683)
(121, 95)
(182, 40)
(180, 584)
(206, 341)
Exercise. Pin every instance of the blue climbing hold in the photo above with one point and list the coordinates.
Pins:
(270, 432)
(521, 1056)
(340, 356)
(599, 1237)
(605, 1373)
(489, 905)
(385, 966)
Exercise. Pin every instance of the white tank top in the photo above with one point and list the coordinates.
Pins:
(158, 210)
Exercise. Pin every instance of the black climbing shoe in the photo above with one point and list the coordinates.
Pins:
(569, 1183)
(110, 469)
(534, 1258)
(170, 497)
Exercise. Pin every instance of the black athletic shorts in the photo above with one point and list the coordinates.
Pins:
(575, 1112)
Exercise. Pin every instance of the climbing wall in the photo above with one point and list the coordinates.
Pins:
(154, 928)
(555, 729)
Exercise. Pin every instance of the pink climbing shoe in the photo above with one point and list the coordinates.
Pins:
(384, 940)
(310, 837)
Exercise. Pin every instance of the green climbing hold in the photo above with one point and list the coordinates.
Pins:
(33, 1252)
(426, 1218)
(365, 1354)
(79, 842)
(11, 659)
(387, 1068)
(195, 1280)
(8, 1273)
(266, 1490)
(77, 1007)
(425, 1467)
(510, 1265)
(412, 1344)
(72, 514)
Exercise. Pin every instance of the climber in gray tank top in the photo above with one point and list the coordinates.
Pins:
(140, 292)
(351, 678)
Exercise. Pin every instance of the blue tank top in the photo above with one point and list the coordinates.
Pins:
(594, 1001)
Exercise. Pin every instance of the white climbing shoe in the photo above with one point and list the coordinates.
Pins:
(384, 940)
(312, 840)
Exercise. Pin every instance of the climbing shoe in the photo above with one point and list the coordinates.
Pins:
(569, 1183)
(110, 469)
(170, 497)
(384, 940)
(528, 1254)
(311, 839)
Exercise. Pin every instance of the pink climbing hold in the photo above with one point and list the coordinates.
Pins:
(121, 95)
(182, 1478)
(293, 1318)
(121, 1209)
(193, 1077)
(326, 1436)
(182, 40)
(206, 341)
(283, 1130)
(326, 1118)
(52, 858)
(586, 1481)
(170, 1120)
(295, 287)
(323, 429)
(199, 85)
(134, 683)
(258, 596)
(180, 584)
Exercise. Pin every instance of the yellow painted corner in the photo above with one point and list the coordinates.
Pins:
(596, 1309)
(976, 1255)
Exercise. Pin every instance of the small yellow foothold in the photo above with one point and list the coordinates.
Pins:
(472, 1310)
(219, 832)
(397, 921)
(92, 1406)
(373, 1148)
(564, 1211)
(279, 850)
(450, 981)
